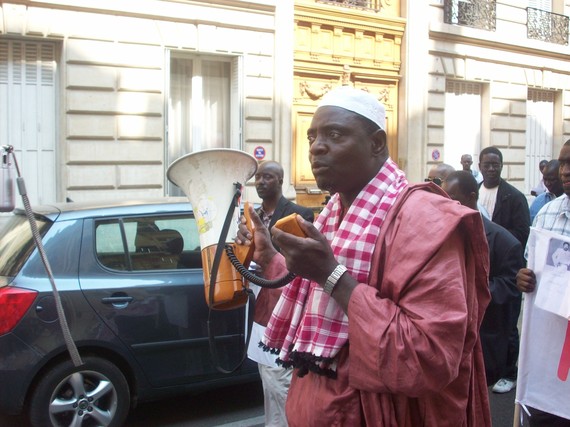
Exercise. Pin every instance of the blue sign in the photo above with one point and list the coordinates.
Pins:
(259, 153)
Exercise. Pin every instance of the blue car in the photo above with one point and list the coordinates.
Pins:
(130, 279)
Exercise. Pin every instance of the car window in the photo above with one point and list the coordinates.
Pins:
(109, 245)
(148, 243)
(16, 243)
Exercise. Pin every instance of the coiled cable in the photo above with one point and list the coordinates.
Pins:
(259, 281)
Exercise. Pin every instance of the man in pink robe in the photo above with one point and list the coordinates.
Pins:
(382, 322)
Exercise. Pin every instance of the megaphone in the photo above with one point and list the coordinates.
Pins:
(210, 179)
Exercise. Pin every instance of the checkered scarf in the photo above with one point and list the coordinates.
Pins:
(308, 328)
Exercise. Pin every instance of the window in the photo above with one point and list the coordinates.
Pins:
(462, 136)
(28, 113)
(539, 133)
(148, 243)
(17, 243)
(204, 107)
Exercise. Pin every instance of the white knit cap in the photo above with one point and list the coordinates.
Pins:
(357, 101)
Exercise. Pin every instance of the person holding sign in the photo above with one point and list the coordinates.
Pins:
(544, 361)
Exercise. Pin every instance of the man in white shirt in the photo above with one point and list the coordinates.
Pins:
(507, 207)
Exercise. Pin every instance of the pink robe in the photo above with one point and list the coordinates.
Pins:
(414, 356)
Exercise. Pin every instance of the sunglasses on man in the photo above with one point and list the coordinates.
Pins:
(436, 181)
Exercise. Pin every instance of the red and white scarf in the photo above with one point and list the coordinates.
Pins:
(308, 327)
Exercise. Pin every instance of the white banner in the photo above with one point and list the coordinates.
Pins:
(544, 359)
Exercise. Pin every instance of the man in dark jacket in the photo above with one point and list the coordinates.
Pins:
(506, 258)
(507, 207)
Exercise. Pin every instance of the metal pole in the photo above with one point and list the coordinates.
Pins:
(70, 344)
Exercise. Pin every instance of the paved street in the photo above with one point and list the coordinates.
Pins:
(237, 406)
(233, 406)
(502, 408)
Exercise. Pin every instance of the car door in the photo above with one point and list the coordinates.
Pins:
(143, 276)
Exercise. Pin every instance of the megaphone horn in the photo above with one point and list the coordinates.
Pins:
(209, 179)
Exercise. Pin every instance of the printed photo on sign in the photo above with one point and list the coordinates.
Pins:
(544, 359)
(560, 257)
(551, 261)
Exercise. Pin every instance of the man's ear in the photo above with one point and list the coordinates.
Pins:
(379, 142)
(473, 197)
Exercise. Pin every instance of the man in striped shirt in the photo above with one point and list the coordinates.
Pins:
(540, 389)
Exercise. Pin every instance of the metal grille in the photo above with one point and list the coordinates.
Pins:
(3, 62)
(458, 88)
(471, 13)
(31, 63)
(540, 95)
(547, 26)
(373, 5)
(47, 53)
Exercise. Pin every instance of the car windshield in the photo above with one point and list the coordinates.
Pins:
(16, 243)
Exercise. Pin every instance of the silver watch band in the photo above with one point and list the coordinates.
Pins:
(333, 278)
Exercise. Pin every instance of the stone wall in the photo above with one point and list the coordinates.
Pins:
(113, 74)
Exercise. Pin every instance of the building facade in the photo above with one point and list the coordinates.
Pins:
(484, 73)
(99, 97)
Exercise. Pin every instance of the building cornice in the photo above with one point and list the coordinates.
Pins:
(339, 17)
(453, 35)
(167, 10)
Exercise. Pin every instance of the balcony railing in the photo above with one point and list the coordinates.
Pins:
(373, 5)
(471, 13)
(547, 26)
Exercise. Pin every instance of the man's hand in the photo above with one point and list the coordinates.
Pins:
(264, 250)
(526, 280)
(310, 257)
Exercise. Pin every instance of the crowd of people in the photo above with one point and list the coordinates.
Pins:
(407, 297)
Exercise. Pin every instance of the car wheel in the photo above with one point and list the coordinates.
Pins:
(93, 394)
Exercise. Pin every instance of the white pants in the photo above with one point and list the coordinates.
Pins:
(276, 383)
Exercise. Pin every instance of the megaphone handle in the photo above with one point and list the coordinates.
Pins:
(245, 253)
(221, 242)
(247, 216)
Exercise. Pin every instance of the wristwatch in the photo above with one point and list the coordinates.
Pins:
(333, 278)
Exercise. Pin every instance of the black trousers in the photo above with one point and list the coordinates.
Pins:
(514, 340)
(544, 419)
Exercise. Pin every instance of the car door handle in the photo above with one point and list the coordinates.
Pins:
(117, 300)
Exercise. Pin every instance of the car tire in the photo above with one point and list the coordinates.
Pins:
(95, 393)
